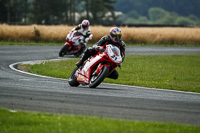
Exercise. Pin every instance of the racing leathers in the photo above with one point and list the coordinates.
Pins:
(85, 31)
(91, 51)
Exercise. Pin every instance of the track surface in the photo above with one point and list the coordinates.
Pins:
(27, 92)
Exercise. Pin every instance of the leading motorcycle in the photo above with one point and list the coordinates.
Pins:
(97, 68)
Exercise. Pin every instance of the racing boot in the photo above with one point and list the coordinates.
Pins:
(79, 63)
(82, 60)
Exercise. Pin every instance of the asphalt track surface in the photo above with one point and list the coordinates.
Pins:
(33, 93)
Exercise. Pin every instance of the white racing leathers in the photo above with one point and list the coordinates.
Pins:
(86, 32)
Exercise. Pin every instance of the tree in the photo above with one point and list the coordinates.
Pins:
(99, 8)
(13, 11)
(87, 9)
(157, 13)
(4, 11)
(182, 7)
(133, 14)
(195, 19)
(184, 21)
(48, 12)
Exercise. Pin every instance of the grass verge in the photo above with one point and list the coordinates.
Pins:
(175, 72)
(32, 43)
(23, 122)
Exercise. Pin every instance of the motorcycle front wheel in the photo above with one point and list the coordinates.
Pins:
(97, 79)
(63, 51)
(72, 79)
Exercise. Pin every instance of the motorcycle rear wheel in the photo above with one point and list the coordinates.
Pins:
(63, 51)
(72, 79)
(97, 79)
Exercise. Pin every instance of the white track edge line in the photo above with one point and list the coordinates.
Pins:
(42, 76)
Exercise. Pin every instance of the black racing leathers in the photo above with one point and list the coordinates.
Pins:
(91, 51)
(107, 40)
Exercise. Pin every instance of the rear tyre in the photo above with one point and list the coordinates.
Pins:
(63, 51)
(97, 79)
(72, 79)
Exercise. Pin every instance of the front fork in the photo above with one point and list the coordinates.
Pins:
(69, 46)
(99, 67)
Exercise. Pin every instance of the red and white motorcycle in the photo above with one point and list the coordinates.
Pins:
(75, 44)
(97, 68)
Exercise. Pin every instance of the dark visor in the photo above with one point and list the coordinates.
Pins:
(117, 37)
(85, 26)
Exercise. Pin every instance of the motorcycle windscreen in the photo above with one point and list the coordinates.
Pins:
(114, 54)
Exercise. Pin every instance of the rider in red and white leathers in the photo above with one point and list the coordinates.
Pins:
(84, 29)
(115, 39)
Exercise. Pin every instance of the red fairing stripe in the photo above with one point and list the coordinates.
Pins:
(106, 65)
(104, 45)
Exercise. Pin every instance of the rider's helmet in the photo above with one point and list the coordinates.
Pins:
(115, 34)
(85, 24)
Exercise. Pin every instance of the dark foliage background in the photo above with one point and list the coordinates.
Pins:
(101, 12)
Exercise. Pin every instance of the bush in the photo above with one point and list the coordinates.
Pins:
(168, 19)
(157, 13)
(184, 21)
(133, 14)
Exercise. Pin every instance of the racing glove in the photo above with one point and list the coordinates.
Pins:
(99, 48)
(88, 38)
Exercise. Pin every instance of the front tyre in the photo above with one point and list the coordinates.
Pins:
(97, 79)
(63, 51)
(72, 79)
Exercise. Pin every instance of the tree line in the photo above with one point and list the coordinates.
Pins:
(101, 12)
(182, 7)
(56, 11)
(170, 12)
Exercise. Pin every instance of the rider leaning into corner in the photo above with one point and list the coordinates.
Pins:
(115, 39)
(84, 29)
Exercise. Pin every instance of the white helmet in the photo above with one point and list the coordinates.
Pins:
(85, 24)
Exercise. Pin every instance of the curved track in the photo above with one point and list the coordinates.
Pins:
(27, 92)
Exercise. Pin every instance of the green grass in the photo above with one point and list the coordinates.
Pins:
(34, 43)
(50, 44)
(31, 43)
(24, 122)
(175, 72)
